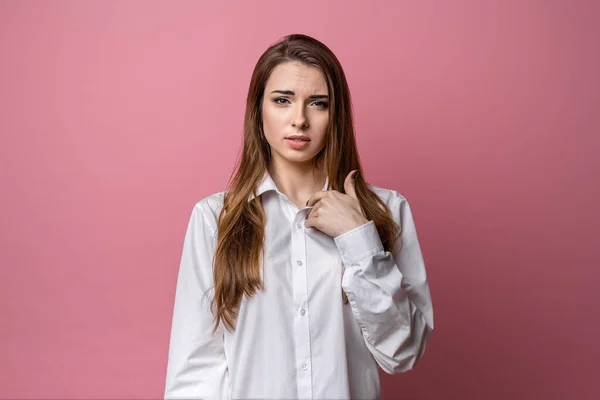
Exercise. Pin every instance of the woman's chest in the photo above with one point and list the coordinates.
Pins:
(299, 261)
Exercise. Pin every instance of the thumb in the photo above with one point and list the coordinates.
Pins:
(349, 184)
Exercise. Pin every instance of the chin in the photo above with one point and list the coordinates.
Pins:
(300, 158)
(295, 156)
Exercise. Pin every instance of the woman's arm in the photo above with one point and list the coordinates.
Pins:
(196, 367)
(388, 291)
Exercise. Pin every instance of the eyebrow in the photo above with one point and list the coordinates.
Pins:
(291, 93)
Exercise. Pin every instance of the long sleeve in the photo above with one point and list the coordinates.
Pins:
(196, 367)
(388, 291)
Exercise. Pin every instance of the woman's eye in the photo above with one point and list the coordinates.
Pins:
(321, 104)
(318, 104)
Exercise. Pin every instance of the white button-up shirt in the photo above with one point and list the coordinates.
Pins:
(297, 339)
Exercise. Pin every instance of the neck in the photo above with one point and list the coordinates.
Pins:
(297, 182)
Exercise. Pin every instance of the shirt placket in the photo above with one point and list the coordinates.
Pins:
(301, 308)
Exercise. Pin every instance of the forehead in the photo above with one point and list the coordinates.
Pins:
(297, 77)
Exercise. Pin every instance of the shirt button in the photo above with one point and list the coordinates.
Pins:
(303, 311)
(299, 262)
(299, 226)
(304, 366)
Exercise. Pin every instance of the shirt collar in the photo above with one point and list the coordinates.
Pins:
(267, 184)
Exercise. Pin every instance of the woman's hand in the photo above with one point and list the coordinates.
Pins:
(335, 213)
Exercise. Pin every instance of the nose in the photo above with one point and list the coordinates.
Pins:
(299, 120)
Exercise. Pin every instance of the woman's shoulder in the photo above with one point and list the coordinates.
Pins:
(211, 204)
(396, 202)
(390, 197)
(206, 211)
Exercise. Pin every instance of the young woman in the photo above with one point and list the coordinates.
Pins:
(299, 279)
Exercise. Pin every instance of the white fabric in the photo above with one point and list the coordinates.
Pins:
(297, 339)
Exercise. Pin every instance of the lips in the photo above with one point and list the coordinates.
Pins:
(298, 144)
(298, 138)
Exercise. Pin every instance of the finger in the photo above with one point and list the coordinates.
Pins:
(310, 222)
(317, 196)
(350, 184)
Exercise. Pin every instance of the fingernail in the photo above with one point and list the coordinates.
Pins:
(355, 173)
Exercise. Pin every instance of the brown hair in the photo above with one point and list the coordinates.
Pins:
(241, 223)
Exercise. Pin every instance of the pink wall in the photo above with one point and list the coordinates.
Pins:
(117, 116)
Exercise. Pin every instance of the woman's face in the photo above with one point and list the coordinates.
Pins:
(295, 102)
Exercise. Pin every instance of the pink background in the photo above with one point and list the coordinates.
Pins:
(116, 117)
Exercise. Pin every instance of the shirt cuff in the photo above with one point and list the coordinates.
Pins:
(359, 243)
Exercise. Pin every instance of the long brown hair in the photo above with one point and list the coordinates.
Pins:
(241, 223)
